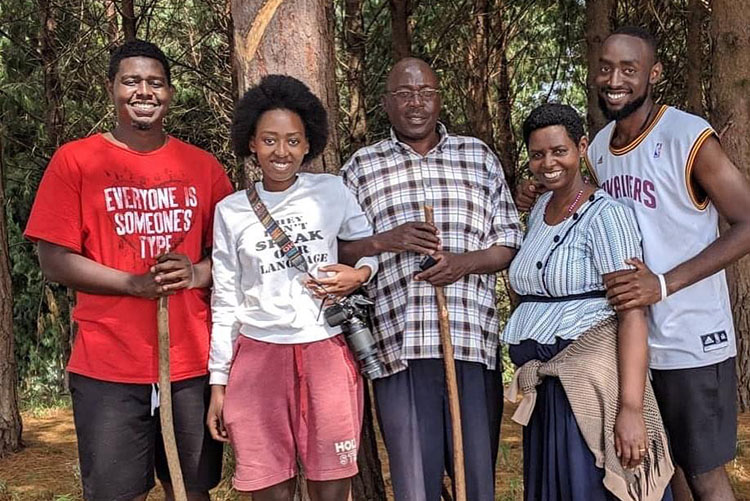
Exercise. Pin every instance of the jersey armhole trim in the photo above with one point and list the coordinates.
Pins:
(699, 204)
(590, 169)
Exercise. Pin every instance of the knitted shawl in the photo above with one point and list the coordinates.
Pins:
(587, 369)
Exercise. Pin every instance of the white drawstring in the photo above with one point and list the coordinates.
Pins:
(154, 397)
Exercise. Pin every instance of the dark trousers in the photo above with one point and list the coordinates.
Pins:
(414, 416)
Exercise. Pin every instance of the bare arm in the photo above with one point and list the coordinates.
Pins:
(632, 352)
(214, 416)
(729, 191)
(352, 250)
(451, 267)
(62, 265)
(418, 237)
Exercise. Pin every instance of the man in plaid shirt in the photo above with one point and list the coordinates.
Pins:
(476, 234)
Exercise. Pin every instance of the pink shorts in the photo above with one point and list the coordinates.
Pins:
(291, 401)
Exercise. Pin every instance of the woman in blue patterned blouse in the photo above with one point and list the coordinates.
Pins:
(576, 236)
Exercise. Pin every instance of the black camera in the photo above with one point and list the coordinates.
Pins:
(351, 314)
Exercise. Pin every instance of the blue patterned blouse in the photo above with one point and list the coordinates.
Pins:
(569, 258)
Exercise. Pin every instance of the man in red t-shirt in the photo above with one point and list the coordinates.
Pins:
(125, 217)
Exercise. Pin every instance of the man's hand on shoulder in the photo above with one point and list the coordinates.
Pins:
(632, 288)
(448, 268)
(527, 193)
(418, 237)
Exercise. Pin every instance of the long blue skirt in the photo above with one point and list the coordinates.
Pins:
(557, 463)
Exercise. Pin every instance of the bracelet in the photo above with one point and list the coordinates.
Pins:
(662, 286)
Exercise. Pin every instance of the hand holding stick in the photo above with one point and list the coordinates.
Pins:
(459, 477)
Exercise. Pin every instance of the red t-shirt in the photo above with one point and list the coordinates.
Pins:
(122, 209)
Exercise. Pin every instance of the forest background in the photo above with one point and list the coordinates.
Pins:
(497, 59)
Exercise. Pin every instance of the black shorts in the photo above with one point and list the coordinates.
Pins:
(120, 444)
(699, 409)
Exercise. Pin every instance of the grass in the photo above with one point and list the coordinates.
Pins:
(47, 469)
(42, 406)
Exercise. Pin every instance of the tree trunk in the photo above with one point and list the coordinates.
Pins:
(238, 175)
(113, 28)
(694, 81)
(501, 106)
(52, 88)
(292, 38)
(598, 27)
(128, 19)
(477, 59)
(354, 41)
(507, 150)
(68, 336)
(400, 33)
(10, 418)
(730, 91)
(368, 485)
(232, 56)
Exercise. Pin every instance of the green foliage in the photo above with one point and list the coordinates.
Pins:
(543, 41)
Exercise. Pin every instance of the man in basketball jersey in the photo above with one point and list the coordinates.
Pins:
(669, 167)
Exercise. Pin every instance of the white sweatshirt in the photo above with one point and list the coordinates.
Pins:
(256, 292)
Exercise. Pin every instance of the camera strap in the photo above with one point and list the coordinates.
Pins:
(280, 238)
(273, 230)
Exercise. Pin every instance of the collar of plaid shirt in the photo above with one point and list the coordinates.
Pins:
(442, 134)
(462, 179)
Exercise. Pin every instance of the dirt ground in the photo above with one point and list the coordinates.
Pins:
(47, 469)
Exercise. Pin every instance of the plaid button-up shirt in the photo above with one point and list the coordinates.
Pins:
(463, 180)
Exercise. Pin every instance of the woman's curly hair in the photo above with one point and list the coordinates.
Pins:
(280, 92)
(550, 114)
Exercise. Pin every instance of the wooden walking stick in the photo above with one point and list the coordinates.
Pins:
(459, 477)
(165, 402)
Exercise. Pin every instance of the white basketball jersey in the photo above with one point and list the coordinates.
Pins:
(652, 175)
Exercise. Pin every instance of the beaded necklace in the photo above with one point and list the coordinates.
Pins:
(570, 207)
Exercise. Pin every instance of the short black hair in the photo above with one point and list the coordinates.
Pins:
(550, 114)
(280, 92)
(136, 48)
(639, 32)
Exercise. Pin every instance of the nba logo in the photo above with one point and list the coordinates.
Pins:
(657, 151)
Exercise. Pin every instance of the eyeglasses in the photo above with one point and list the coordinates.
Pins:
(404, 96)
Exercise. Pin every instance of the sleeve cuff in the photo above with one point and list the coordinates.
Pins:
(217, 377)
(372, 263)
(36, 236)
(513, 240)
